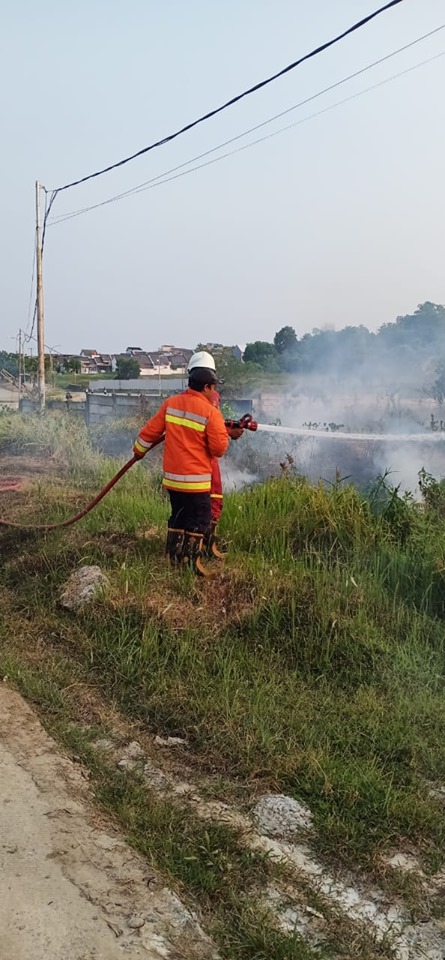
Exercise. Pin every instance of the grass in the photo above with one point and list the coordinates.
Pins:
(314, 667)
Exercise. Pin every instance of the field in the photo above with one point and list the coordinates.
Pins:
(312, 667)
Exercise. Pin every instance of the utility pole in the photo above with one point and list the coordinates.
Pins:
(20, 366)
(40, 310)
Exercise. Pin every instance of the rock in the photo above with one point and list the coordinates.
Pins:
(103, 744)
(132, 755)
(281, 816)
(134, 751)
(155, 778)
(135, 923)
(82, 586)
(170, 742)
(403, 861)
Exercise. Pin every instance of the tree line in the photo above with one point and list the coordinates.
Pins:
(409, 342)
(408, 349)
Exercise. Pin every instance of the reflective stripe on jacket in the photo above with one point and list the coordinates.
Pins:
(194, 434)
(216, 492)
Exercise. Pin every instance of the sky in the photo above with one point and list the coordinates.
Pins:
(337, 221)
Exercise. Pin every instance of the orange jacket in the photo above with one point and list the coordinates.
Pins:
(194, 434)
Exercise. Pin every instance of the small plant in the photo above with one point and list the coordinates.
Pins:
(433, 492)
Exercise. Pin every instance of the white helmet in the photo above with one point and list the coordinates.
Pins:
(201, 359)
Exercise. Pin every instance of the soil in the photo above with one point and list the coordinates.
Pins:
(69, 886)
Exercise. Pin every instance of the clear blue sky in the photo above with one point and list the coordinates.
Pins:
(338, 221)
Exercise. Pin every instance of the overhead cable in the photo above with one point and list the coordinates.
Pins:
(229, 103)
(258, 126)
(165, 178)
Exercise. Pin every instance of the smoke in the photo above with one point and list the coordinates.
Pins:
(325, 429)
(234, 478)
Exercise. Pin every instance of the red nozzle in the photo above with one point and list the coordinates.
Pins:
(246, 422)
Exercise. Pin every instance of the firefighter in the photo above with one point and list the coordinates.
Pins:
(194, 434)
(216, 493)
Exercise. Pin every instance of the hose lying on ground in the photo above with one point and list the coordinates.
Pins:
(87, 509)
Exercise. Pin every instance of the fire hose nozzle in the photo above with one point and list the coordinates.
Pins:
(246, 422)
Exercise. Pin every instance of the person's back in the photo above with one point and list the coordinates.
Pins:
(194, 434)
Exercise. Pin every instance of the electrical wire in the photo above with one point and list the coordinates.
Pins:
(229, 103)
(258, 126)
(157, 182)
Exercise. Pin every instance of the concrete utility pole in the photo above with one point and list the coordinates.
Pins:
(40, 310)
(20, 366)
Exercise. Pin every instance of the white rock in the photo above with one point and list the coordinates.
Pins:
(134, 751)
(170, 741)
(82, 586)
(403, 861)
(281, 816)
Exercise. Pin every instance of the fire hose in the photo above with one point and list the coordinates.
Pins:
(245, 423)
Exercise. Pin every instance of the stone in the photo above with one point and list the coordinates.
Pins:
(277, 815)
(82, 587)
(170, 742)
(134, 751)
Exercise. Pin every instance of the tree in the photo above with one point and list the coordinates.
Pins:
(9, 362)
(233, 374)
(127, 368)
(263, 353)
(73, 365)
(437, 389)
(285, 340)
(287, 347)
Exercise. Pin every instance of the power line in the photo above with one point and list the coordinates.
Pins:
(258, 126)
(157, 182)
(229, 103)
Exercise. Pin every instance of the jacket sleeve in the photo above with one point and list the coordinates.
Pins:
(217, 437)
(153, 430)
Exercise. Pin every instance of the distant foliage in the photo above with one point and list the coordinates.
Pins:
(264, 354)
(407, 346)
(127, 368)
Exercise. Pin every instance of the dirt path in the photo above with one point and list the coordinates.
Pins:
(69, 888)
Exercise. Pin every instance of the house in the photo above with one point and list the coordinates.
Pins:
(93, 362)
(217, 349)
(161, 363)
(151, 364)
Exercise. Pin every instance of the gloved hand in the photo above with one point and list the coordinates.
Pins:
(235, 432)
(138, 454)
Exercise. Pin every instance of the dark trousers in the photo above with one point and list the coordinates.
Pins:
(190, 511)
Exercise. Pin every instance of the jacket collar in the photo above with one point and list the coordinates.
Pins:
(197, 393)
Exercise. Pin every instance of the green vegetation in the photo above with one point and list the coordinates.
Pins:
(315, 666)
(397, 351)
(127, 368)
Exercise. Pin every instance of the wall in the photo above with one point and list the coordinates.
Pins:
(101, 408)
(166, 386)
(9, 398)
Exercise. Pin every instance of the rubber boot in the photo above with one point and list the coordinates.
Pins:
(193, 553)
(212, 548)
(175, 546)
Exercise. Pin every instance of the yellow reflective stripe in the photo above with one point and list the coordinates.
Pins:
(143, 443)
(217, 496)
(138, 446)
(182, 422)
(178, 485)
(188, 477)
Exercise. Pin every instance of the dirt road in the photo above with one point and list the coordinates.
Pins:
(70, 890)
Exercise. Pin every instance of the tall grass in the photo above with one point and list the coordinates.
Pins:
(315, 666)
